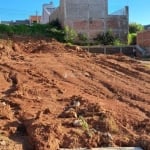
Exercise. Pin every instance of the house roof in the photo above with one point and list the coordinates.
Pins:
(147, 26)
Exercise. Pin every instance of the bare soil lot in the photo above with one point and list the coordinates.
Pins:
(55, 96)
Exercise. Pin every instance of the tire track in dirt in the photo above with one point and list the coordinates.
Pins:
(132, 98)
(103, 72)
(126, 71)
(147, 112)
(131, 94)
(118, 76)
(92, 86)
(126, 82)
(119, 90)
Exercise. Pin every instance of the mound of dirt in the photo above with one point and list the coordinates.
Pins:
(59, 96)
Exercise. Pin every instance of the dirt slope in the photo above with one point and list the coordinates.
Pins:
(53, 96)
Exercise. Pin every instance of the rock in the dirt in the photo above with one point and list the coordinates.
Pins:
(70, 113)
(2, 142)
(108, 135)
(77, 123)
(3, 103)
(76, 104)
(107, 139)
(87, 74)
(12, 130)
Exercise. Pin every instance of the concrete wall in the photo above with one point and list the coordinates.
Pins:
(85, 9)
(91, 17)
(143, 39)
(85, 16)
(59, 13)
(46, 12)
(126, 50)
(119, 25)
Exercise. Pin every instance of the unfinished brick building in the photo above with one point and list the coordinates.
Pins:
(143, 39)
(91, 17)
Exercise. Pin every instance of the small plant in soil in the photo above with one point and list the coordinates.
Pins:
(85, 126)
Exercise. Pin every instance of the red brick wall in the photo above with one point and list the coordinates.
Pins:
(143, 38)
(94, 27)
(80, 25)
(112, 23)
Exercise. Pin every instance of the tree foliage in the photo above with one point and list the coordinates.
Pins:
(135, 27)
(132, 38)
(106, 38)
(70, 34)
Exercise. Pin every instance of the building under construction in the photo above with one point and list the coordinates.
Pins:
(91, 17)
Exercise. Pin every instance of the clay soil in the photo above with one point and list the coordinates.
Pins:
(54, 96)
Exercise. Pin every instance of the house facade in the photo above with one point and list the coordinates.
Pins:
(34, 19)
(147, 27)
(91, 17)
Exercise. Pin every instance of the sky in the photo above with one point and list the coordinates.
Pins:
(139, 10)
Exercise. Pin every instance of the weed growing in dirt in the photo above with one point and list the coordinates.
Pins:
(111, 125)
(85, 126)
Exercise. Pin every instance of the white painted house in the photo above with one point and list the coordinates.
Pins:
(46, 12)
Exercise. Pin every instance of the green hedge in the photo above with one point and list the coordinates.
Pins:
(54, 30)
(35, 30)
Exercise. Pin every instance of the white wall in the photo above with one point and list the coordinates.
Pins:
(46, 12)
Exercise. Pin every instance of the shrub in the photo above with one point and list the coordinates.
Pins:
(57, 34)
(69, 34)
(117, 42)
(106, 38)
(20, 29)
(132, 38)
(6, 29)
(36, 30)
(82, 37)
(56, 24)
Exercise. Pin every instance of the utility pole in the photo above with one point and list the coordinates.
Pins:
(37, 16)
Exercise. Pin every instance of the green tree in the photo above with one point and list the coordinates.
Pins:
(135, 27)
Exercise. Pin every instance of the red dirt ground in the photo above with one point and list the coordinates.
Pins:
(54, 96)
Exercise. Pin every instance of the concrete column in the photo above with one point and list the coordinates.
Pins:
(106, 14)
